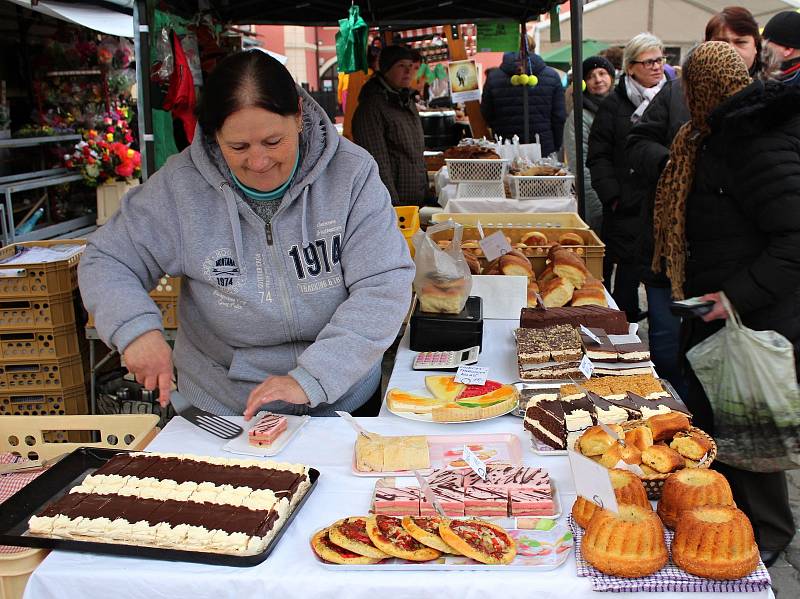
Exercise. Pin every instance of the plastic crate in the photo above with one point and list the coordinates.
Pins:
(16, 568)
(481, 189)
(37, 312)
(513, 220)
(39, 279)
(541, 187)
(169, 311)
(41, 376)
(36, 345)
(167, 286)
(71, 400)
(473, 169)
(165, 295)
(408, 222)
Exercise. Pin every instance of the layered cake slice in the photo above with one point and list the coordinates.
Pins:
(607, 412)
(531, 501)
(579, 414)
(266, 430)
(545, 419)
(632, 352)
(486, 500)
(450, 497)
(396, 501)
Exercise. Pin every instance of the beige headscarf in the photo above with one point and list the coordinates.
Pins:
(713, 73)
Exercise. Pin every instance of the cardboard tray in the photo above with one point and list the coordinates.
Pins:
(70, 471)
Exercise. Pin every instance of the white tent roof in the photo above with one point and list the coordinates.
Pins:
(98, 18)
(676, 22)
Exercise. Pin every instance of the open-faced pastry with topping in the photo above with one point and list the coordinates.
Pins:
(479, 540)
(330, 552)
(425, 529)
(351, 534)
(388, 535)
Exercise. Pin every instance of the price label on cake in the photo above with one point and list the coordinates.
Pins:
(495, 245)
(590, 335)
(474, 462)
(472, 375)
(586, 367)
(592, 481)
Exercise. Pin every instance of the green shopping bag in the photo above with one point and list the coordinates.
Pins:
(750, 380)
(351, 42)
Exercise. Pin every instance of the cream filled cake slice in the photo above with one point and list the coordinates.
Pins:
(268, 428)
(530, 501)
(486, 500)
(396, 501)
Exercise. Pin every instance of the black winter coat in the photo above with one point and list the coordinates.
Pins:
(619, 190)
(501, 103)
(743, 212)
(648, 151)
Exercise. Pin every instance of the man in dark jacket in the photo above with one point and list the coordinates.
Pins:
(387, 124)
(501, 103)
(782, 34)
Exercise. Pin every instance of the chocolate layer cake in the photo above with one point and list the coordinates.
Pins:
(545, 419)
(611, 321)
(178, 502)
(551, 344)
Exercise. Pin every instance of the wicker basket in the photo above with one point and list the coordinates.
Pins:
(654, 483)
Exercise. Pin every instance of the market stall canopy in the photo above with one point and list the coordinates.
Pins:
(676, 22)
(113, 18)
(561, 58)
(375, 12)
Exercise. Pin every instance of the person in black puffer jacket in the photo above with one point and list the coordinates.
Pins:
(501, 103)
(619, 190)
(727, 219)
(648, 149)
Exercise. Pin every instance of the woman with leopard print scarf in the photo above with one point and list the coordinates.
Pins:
(727, 219)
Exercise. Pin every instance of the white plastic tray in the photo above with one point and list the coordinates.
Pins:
(241, 446)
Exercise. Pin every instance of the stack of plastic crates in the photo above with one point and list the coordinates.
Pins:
(41, 353)
(165, 295)
(478, 178)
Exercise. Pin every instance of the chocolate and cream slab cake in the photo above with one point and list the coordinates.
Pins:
(177, 501)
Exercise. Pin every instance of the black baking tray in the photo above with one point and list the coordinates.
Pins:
(69, 472)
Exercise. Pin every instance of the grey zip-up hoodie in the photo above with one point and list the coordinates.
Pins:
(319, 293)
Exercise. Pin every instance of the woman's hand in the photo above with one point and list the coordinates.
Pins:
(275, 388)
(149, 359)
(718, 310)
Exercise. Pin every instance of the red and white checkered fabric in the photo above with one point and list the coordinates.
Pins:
(10, 484)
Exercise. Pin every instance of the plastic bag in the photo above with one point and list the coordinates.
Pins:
(443, 281)
(163, 59)
(750, 380)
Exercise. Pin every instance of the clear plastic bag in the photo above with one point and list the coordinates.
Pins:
(750, 380)
(443, 280)
(163, 59)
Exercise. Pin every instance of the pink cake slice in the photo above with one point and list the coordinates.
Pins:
(518, 476)
(267, 430)
(392, 501)
(446, 477)
(486, 500)
(449, 496)
(531, 501)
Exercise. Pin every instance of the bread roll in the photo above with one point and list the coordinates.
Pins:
(493, 267)
(516, 263)
(596, 441)
(534, 238)
(629, 454)
(690, 446)
(570, 239)
(568, 266)
(640, 437)
(546, 275)
(472, 262)
(662, 459)
(664, 426)
(587, 296)
(533, 289)
(557, 292)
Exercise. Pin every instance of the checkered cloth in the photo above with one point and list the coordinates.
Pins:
(669, 579)
(10, 484)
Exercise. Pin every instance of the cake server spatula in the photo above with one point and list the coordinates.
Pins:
(211, 423)
(428, 492)
(356, 426)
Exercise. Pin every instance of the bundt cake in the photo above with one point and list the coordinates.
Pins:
(715, 542)
(628, 488)
(692, 487)
(629, 544)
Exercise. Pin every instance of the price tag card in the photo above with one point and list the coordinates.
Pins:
(474, 462)
(590, 335)
(495, 245)
(472, 375)
(592, 481)
(586, 366)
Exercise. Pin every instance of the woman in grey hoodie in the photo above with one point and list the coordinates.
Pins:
(295, 276)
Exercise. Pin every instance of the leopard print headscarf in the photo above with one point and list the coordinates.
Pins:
(713, 73)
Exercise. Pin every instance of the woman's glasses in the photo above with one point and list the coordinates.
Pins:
(650, 62)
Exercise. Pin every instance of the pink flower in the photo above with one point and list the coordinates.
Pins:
(125, 169)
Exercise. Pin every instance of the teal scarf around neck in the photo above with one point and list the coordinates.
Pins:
(277, 193)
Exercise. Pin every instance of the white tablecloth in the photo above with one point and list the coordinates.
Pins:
(291, 570)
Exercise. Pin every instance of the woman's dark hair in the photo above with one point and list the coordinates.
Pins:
(244, 80)
(739, 20)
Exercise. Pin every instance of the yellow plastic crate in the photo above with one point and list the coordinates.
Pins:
(34, 345)
(51, 375)
(130, 431)
(165, 295)
(56, 402)
(38, 279)
(37, 312)
(408, 221)
(514, 220)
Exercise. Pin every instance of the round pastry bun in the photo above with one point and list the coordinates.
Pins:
(570, 238)
(534, 238)
(331, 552)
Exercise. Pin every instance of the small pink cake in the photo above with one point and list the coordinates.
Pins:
(450, 497)
(518, 476)
(486, 500)
(531, 501)
(267, 430)
(446, 477)
(391, 501)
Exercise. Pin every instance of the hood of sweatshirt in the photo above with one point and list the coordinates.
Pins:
(511, 65)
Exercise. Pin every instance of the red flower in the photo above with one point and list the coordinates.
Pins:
(125, 169)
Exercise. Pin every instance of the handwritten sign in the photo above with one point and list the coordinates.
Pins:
(472, 375)
(592, 481)
(474, 462)
(586, 367)
(495, 245)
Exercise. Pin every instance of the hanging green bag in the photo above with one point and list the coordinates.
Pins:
(351, 42)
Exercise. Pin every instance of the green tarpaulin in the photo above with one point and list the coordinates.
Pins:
(561, 58)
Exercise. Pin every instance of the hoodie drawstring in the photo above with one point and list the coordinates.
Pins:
(233, 216)
(303, 221)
